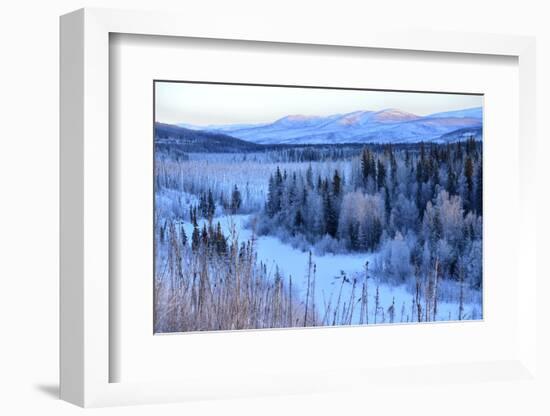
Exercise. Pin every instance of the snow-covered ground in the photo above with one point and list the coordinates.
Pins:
(329, 270)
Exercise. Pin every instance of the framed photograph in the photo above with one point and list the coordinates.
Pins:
(274, 213)
(285, 206)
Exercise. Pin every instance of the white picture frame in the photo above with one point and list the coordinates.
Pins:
(86, 356)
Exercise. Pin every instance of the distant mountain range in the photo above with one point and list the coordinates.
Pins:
(386, 126)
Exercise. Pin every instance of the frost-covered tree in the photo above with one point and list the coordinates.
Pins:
(361, 220)
(403, 215)
(396, 256)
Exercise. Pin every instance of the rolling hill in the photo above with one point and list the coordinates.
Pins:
(385, 126)
(174, 138)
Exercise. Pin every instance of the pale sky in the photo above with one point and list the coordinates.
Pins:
(204, 104)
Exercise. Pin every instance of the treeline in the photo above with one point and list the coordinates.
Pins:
(207, 205)
(309, 153)
(418, 205)
(167, 147)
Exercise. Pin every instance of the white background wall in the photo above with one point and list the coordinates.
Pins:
(29, 56)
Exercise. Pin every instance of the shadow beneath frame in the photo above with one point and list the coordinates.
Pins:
(51, 390)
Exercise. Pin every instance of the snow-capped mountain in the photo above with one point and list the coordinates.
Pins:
(476, 112)
(385, 126)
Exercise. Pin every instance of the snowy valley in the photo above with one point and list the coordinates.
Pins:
(294, 231)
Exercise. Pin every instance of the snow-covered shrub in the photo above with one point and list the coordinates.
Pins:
(327, 244)
(395, 258)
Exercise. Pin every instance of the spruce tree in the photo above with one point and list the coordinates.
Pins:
(366, 165)
(204, 236)
(278, 177)
(479, 189)
(235, 200)
(420, 172)
(298, 219)
(375, 234)
(203, 205)
(309, 177)
(271, 205)
(469, 174)
(211, 205)
(331, 217)
(221, 243)
(380, 175)
(355, 236)
(451, 180)
(292, 191)
(195, 238)
(336, 184)
(195, 223)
